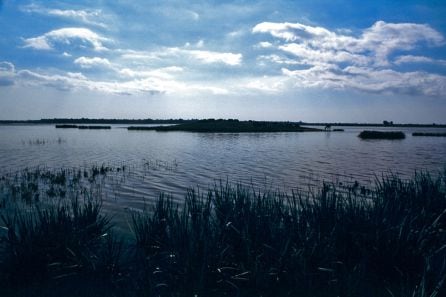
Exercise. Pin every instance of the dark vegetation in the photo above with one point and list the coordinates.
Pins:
(429, 134)
(233, 126)
(338, 130)
(64, 126)
(228, 241)
(82, 127)
(382, 135)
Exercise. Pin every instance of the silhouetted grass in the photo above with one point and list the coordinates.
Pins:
(234, 241)
(429, 134)
(58, 241)
(382, 135)
(231, 126)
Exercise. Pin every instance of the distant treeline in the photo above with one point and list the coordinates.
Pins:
(374, 125)
(100, 121)
(182, 121)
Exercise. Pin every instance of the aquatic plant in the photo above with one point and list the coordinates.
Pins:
(53, 242)
(235, 241)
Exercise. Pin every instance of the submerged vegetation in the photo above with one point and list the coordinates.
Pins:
(382, 135)
(232, 126)
(228, 241)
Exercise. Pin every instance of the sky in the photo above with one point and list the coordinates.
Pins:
(312, 61)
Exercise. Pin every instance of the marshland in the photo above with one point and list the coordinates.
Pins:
(141, 213)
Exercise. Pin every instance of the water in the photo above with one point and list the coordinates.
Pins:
(172, 162)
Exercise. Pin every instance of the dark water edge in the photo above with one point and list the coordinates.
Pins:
(230, 240)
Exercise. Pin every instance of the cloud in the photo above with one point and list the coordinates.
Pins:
(7, 72)
(340, 60)
(85, 62)
(185, 54)
(209, 57)
(369, 80)
(165, 72)
(67, 36)
(86, 16)
(375, 44)
(132, 82)
(410, 59)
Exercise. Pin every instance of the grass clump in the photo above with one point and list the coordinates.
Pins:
(382, 135)
(56, 242)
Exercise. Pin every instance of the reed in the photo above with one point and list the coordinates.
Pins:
(232, 240)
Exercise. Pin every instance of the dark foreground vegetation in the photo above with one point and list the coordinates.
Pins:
(382, 135)
(228, 241)
(429, 134)
(233, 126)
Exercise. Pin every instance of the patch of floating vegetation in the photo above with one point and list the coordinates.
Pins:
(43, 141)
(82, 127)
(228, 241)
(338, 130)
(382, 135)
(230, 126)
(429, 134)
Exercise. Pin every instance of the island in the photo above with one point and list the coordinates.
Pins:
(230, 126)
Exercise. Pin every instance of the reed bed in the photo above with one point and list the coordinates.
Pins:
(232, 240)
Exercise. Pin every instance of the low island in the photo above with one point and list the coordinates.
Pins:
(382, 135)
(230, 126)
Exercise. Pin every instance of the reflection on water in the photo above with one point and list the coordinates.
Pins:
(174, 161)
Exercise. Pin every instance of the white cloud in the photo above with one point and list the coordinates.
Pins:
(86, 16)
(264, 59)
(185, 54)
(374, 44)
(7, 73)
(340, 60)
(67, 36)
(410, 59)
(264, 44)
(156, 81)
(369, 80)
(209, 57)
(85, 62)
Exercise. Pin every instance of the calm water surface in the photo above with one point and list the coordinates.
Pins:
(174, 161)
